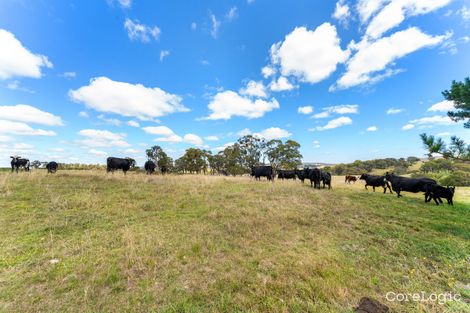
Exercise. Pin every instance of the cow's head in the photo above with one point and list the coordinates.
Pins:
(131, 162)
(363, 176)
(388, 176)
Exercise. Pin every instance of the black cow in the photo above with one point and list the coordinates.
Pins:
(285, 174)
(52, 167)
(300, 175)
(326, 178)
(314, 174)
(17, 162)
(414, 185)
(436, 192)
(262, 171)
(376, 181)
(163, 169)
(119, 164)
(149, 167)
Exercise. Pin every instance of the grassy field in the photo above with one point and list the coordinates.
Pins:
(91, 242)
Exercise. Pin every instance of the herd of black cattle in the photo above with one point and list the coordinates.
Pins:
(317, 176)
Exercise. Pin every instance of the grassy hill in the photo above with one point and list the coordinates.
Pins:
(84, 241)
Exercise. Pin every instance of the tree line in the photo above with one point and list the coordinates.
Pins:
(235, 159)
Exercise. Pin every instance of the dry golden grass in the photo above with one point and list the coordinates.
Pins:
(86, 241)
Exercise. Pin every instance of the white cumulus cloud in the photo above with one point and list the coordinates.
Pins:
(371, 129)
(226, 104)
(106, 95)
(395, 12)
(133, 123)
(342, 12)
(443, 106)
(309, 55)
(29, 114)
(254, 89)
(273, 133)
(18, 61)
(281, 84)
(193, 139)
(338, 122)
(101, 138)
(370, 62)
(305, 110)
(18, 128)
(408, 127)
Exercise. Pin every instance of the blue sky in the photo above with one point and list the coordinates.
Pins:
(82, 80)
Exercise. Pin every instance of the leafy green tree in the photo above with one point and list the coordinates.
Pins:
(217, 163)
(233, 160)
(457, 150)
(157, 155)
(251, 148)
(283, 155)
(193, 160)
(459, 93)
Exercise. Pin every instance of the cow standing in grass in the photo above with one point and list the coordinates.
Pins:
(300, 175)
(262, 171)
(17, 162)
(350, 178)
(376, 181)
(286, 174)
(326, 178)
(113, 164)
(314, 174)
(149, 167)
(436, 192)
(400, 183)
(52, 167)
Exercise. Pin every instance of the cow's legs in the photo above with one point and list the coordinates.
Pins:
(373, 187)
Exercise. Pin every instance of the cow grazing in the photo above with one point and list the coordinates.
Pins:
(17, 162)
(300, 175)
(414, 185)
(436, 192)
(350, 178)
(119, 164)
(52, 167)
(326, 179)
(376, 181)
(149, 167)
(262, 171)
(284, 174)
(314, 174)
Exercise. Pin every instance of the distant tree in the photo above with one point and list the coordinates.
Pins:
(155, 153)
(457, 150)
(193, 160)
(233, 160)
(251, 149)
(36, 164)
(283, 155)
(217, 163)
(459, 93)
(412, 160)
